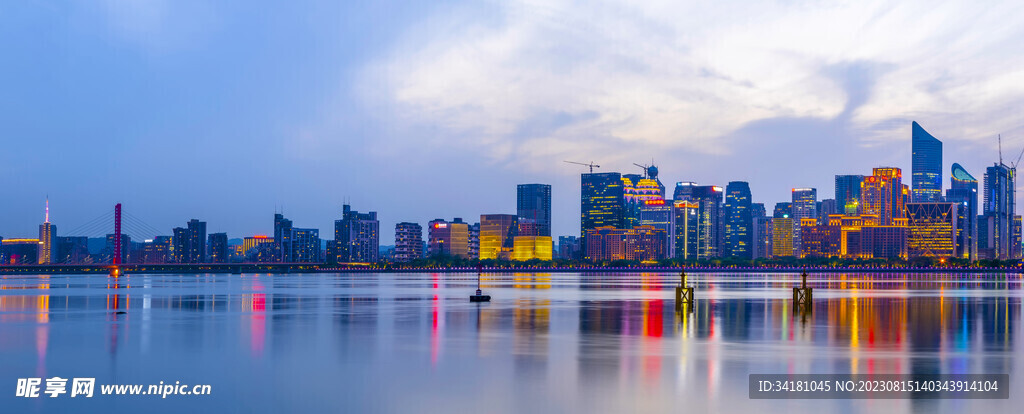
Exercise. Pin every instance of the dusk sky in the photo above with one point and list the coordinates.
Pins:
(228, 111)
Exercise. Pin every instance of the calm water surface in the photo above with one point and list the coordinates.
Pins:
(546, 343)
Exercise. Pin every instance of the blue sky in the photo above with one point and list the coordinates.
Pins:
(226, 111)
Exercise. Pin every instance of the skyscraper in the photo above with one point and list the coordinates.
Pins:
(408, 242)
(710, 221)
(47, 235)
(848, 194)
(964, 191)
(738, 220)
(759, 231)
(306, 245)
(660, 214)
(805, 206)
(686, 223)
(189, 242)
(999, 210)
(602, 202)
(926, 166)
(638, 189)
(282, 238)
(356, 236)
(882, 195)
(533, 202)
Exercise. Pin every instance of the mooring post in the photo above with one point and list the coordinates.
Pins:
(802, 295)
(684, 294)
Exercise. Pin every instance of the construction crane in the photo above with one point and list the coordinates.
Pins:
(591, 165)
(644, 167)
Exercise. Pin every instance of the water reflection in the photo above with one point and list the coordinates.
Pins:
(577, 340)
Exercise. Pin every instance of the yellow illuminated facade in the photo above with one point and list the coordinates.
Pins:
(532, 247)
(782, 236)
(931, 229)
(249, 242)
(882, 194)
(497, 235)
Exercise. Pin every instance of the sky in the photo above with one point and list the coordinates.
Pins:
(230, 111)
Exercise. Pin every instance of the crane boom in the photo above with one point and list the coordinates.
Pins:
(591, 165)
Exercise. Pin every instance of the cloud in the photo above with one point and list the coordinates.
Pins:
(527, 82)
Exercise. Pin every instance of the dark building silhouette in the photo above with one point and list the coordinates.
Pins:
(218, 247)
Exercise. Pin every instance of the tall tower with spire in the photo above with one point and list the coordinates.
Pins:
(47, 233)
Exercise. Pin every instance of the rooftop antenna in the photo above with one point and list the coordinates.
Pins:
(1000, 137)
(47, 209)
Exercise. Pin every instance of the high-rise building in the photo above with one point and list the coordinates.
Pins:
(931, 229)
(637, 190)
(827, 207)
(660, 214)
(710, 221)
(805, 206)
(109, 250)
(783, 209)
(356, 236)
(964, 191)
(782, 236)
(448, 238)
(72, 250)
(738, 220)
(408, 242)
(683, 190)
(819, 239)
(848, 194)
(686, 223)
(602, 202)
(641, 243)
(926, 166)
(533, 202)
(158, 250)
(305, 245)
(759, 231)
(998, 212)
(882, 194)
(47, 234)
(497, 236)
(282, 238)
(189, 242)
(218, 247)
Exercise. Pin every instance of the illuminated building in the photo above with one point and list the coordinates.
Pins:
(884, 242)
(683, 191)
(931, 229)
(19, 251)
(497, 235)
(569, 248)
(660, 214)
(782, 236)
(926, 168)
(1016, 237)
(882, 194)
(533, 202)
(760, 240)
(605, 244)
(710, 223)
(356, 237)
(305, 246)
(218, 247)
(601, 202)
(448, 238)
(998, 206)
(738, 220)
(532, 247)
(686, 223)
(282, 238)
(644, 244)
(408, 242)
(189, 243)
(964, 191)
(158, 250)
(783, 209)
(47, 233)
(527, 227)
(639, 189)
(848, 194)
(805, 205)
(249, 242)
(819, 240)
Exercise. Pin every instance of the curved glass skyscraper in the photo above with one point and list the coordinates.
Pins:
(926, 166)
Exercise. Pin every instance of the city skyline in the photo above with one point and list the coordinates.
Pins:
(146, 89)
